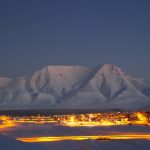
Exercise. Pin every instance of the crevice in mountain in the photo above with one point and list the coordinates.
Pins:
(74, 90)
(104, 89)
(34, 96)
(122, 88)
(146, 91)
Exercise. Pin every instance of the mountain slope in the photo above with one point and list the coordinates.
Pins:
(102, 87)
(110, 88)
(4, 82)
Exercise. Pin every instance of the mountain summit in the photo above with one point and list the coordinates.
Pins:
(77, 87)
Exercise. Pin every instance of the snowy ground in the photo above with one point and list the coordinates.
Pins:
(11, 144)
(7, 143)
(98, 145)
(52, 129)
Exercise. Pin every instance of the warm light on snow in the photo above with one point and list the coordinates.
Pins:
(129, 136)
(76, 120)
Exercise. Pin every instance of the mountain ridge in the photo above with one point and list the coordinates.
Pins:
(103, 86)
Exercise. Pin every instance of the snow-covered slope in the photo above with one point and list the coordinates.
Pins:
(103, 87)
(110, 88)
(4, 82)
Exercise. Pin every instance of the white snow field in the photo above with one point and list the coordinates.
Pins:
(52, 130)
(99, 145)
(105, 86)
(7, 143)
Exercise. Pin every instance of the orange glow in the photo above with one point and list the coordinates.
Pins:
(142, 118)
(79, 120)
(104, 119)
(6, 123)
(131, 136)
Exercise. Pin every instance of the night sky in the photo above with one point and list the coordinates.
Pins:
(37, 33)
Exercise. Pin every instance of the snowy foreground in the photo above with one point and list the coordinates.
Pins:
(7, 143)
(99, 145)
(52, 129)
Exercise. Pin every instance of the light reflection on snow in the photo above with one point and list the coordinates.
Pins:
(76, 120)
(79, 121)
(131, 136)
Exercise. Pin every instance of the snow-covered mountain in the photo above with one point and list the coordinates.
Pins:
(101, 87)
(4, 82)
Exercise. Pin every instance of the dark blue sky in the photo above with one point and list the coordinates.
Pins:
(36, 33)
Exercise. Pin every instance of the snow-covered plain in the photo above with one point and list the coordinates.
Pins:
(8, 143)
(102, 87)
(99, 145)
(51, 129)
